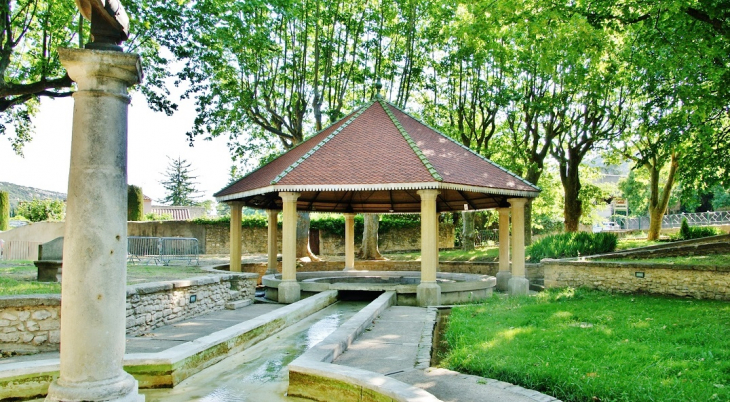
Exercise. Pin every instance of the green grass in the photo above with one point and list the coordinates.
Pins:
(625, 244)
(584, 345)
(719, 260)
(19, 277)
(481, 254)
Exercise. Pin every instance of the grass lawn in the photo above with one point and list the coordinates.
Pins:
(718, 260)
(18, 277)
(584, 345)
(625, 244)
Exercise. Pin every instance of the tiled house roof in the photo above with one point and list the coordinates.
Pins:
(374, 160)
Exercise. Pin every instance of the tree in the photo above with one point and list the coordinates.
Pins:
(135, 203)
(4, 210)
(180, 185)
(32, 30)
(37, 210)
(369, 249)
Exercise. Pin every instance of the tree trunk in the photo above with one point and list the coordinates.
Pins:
(658, 202)
(303, 249)
(467, 231)
(369, 250)
(573, 206)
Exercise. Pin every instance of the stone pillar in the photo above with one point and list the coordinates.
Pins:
(235, 241)
(95, 239)
(289, 290)
(504, 273)
(272, 243)
(518, 284)
(428, 292)
(349, 242)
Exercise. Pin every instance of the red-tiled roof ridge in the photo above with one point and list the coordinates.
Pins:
(344, 118)
(464, 147)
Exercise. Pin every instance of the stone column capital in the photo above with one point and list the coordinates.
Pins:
(503, 210)
(349, 215)
(517, 202)
(101, 70)
(287, 196)
(428, 194)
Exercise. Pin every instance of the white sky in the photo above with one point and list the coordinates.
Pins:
(152, 137)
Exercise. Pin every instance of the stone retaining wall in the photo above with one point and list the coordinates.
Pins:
(30, 324)
(700, 282)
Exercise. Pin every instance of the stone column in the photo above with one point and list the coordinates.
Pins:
(428, 292)
(349, 242)
(235, 241)
(93, 315)
(504, 273)
(272, 243)
(289, 290)
(518, 284)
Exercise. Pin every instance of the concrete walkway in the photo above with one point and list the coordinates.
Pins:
(398, 345)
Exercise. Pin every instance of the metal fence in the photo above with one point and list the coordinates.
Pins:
(162, 250)
(675, 220)
(19, 250)
(484, 236)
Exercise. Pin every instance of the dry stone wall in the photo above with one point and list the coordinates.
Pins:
(403, 239)
(699, 282)
(30, 324)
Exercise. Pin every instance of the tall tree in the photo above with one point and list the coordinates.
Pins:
(179, 184)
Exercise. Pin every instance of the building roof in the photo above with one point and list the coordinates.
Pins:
(178, 213)
(375, 160)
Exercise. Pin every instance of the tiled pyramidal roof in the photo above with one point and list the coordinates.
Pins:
(379, 147)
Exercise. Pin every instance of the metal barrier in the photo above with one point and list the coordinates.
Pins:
(162, 250)
(20, 250)
(675, 220)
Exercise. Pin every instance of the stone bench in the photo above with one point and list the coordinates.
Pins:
(50, 259)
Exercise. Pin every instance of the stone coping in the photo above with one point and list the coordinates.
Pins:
(315, 367)
(154, 287)
(30, 300)
(638, 265)
(169, 367)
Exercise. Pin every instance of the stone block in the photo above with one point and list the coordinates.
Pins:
(428, 294)
(40, 315)
(517, 286)
(235, 305)
(52, 250)
(289, 292)
(32, 325)
(503, 278)
(39, 339)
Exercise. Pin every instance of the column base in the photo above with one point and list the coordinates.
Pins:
(289, 292)
(121, 389)
(502, 278)
(517, 286)
(349, 269)
(428, 294)
(271, 271)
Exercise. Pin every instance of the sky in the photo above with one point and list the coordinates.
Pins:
(152, 137)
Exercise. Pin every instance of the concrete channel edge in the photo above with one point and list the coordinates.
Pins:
(312, 375)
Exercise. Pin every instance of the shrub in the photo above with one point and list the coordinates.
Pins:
(687, 232)
(38, 210)
(155, 217)
(4, 210)
(135, 203)
(247, 221)
(572, 244)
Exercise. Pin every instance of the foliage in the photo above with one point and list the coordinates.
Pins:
(4, 210)
(180, 185)
(247, 221)
(157, 217)
(135, 203)
(720, 198)
(687, 232)
(572, 244)
(38, 210)
(584, 345)
(335, 224)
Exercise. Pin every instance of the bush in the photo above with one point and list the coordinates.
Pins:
(4, 210)
(573, 244)
(155, 217)
(38, 210)
(247, 221)
(135, 203)
(687, 232)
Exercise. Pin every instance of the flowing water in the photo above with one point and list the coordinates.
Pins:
(259, 372)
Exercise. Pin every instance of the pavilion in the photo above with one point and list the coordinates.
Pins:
(379, 159)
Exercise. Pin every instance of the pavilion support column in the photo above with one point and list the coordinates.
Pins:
(518, 284)
(272, 243)
(349, 242)
(289, 289)
(428, 293)
(95, 238)
(235, 240)
(504, 274)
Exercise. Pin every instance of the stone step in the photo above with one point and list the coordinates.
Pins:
(234, 294)
(235, 305)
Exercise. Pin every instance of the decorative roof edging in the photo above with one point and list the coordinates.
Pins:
(378, 187)
(321, 143)
(467, 148)
(410, 142)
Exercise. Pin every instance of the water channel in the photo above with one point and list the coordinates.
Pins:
(259, 372)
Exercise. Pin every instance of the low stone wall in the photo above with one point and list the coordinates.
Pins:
(30, 324)
(700, 282)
